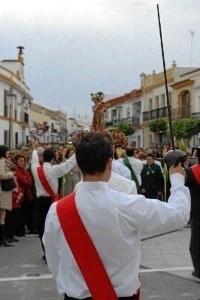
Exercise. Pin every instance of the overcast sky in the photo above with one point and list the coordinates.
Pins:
(73, 48)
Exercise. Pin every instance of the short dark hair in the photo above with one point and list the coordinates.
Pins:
(93, 152)
(151, 155)
(130, 151)
(3, 150)
(48, 155)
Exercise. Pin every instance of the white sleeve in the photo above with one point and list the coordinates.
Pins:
(155, 217)
(50, 240)
(160, 217)
(65, 167)
(34, 158)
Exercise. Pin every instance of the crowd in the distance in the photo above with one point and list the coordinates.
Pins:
(143, 166)
(18, 207)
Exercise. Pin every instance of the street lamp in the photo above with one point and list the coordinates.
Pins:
(9, 98)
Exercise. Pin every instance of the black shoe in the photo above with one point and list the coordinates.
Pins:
(5, 244)
(20, 234)
(12, 240)
(15, 240)
(196, 274)
(44, 258)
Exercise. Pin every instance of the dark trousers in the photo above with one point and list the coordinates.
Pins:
(10, 223)
(195, 243)
(43, 205)
(134, 297)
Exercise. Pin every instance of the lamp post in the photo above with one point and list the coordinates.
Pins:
(9, 97)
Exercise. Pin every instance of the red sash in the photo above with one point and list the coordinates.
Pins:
(196, 172)
(46, 185)
(84, 251)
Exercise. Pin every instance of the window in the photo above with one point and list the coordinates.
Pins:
(128, 112)
(6, 137)
(162, 104)
(6, 110)
(113, 115)
(156, 102)
(150, 104)
(16, 140)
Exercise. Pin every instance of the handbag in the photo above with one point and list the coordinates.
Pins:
(8, 184)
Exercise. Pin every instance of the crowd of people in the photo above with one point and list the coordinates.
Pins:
(19, 207)
(44, 174)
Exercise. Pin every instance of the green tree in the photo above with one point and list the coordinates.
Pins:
(178, 128)
(192, 127)
(158, 126)
(185, 128)
(126, 128)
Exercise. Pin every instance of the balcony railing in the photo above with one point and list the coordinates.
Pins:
(155, 113)
(135, 121)
(195, 115)
(176, 113)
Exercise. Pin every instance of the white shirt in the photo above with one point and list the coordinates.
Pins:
(115, 222)
(118, 183)
(121, 169)
(52, 173)
(137, 166)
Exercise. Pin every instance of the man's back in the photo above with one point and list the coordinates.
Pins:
(114, 222)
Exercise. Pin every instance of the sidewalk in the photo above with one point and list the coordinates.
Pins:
(165, 270)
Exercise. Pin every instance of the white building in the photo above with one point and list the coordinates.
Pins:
(15, 103)
(126, 109)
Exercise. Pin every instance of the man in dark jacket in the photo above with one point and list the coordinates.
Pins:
(193, 183)
(152, 179)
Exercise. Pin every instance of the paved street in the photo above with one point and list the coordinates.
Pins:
(165, 270)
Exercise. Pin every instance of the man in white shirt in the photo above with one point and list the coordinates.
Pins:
(114, 222)
(52, 173)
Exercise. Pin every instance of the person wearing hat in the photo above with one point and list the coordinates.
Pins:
(193, 183)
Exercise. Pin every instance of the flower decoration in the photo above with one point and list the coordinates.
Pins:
(119, 138)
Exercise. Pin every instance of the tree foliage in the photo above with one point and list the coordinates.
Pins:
(158, 125)
(185, 128)
(178, 129)
(126, 128)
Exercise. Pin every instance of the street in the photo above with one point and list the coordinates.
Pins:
(165, 270)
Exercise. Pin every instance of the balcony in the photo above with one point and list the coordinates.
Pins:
(195, 115)
(155, 113)
(180, 113)
(135, 121)
(176, 113)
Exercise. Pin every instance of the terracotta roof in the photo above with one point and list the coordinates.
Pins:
(133, 94)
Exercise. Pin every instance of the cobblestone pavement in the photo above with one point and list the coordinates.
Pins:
(165, 270)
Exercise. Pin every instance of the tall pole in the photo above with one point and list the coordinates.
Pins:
(166, 86)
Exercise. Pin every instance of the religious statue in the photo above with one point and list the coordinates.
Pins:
(98, 123)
